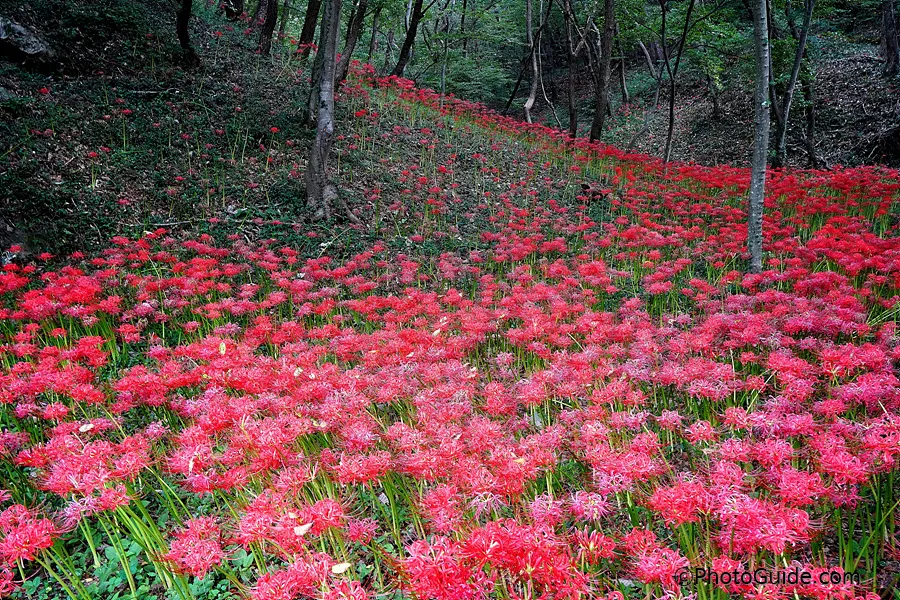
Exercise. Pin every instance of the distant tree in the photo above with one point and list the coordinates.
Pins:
(889, 42)
(182, 17)
(373, 40)
(406, 49)
(268, 27)
(601, 102)
(354, 29)
(672, 69)
(286, 9)
(761, 136)
(782, 109)
(308, 32)
(259, 15)
(529, 36)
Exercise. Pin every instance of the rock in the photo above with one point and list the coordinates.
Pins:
(21, 43)
(5, 94)
(11, 236)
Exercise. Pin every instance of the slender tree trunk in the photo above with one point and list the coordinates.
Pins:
(529, 36)
(308, 32)
(673, 73)
(268, 27)
(626, 97)
(182, 17)
(573, 108)
(650, 66)
(445, 49)
(373, 41)
(785, 112)
(259, 15)
(606, 44)
(354, 28)
(285, 15)
(388, 54)
(319, 190)
(462, 29)
(760, 137)
(889, 41)
(541, 80)
(406, 48)
(527, 58)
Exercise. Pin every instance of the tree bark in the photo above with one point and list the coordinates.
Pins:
(606, 44)
(757, 190)
(354, 28)
(373, 43)
(527, 59)
(573, 108)
(529, 36)
(259, 15)
(406, 48)
(462, 29)
(268, 27)
(889, 41)
(626, 97)
(182, 17)
(319, 189)
(308, 32)
(388, 54)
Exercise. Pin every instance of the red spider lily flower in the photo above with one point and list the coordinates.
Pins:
(197, 547)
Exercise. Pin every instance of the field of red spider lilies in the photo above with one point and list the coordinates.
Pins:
(550, 379)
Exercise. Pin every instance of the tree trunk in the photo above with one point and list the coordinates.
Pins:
(462, 29)
(889, 42)
(259, 15)
(268, 27)
(760, 137)
(388, 54)
(406, 48)
(650, 66)
(319, 189)
(540, 71)
(529, 36)
(354, 28)
(373, 43)
(673, 72)
(182, 17)
(285, 14)
(527, 58)
(783, 118)
(573, 109)
(309, 27)
(626, 97)
(606, 44)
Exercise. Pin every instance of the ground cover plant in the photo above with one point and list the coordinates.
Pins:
(538, 370)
